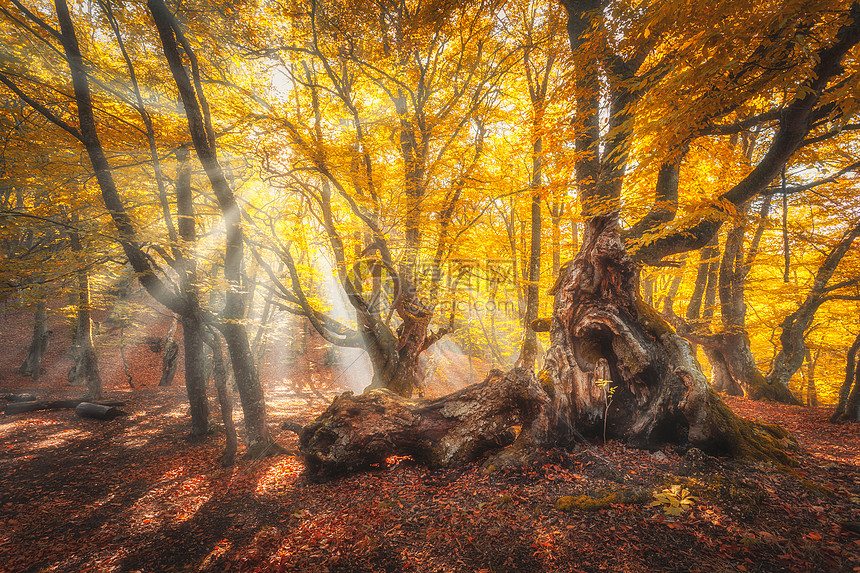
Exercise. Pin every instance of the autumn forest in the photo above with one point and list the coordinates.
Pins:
(429, 285)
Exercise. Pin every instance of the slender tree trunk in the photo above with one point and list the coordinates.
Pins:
(529, 348)
(852, 405)
(192, 324)
(843, 411)
(556, 216)
(170, 358)
(86, 368)
(259, 439)
(811, 390)
(32, 365)
(219, 377)
(511, 228)
(792, 349)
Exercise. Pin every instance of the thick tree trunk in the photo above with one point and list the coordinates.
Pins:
(356, 432)
(394, 357)
(721, 378)
(86, 371)
(734, 342)
(32, 365)
(195, 376)
(615, 366)
(792, 348)
(616, 363)
(735, 348)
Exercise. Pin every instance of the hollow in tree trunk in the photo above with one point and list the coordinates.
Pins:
(604, 339)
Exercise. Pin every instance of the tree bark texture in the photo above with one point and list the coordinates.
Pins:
(195, 377)
(616, 363)
(32, 365)
(721, 378)
(192, 324)
(170, 357)
(219, 378)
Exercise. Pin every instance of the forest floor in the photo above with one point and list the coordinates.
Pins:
(134, 494)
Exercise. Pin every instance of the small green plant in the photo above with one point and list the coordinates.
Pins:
(608, 391)
(675, 500)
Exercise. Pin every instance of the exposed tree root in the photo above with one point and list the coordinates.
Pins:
(746, 439)
(356, 432)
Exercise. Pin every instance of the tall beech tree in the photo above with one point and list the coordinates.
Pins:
(431, 102)
(539, 54)
(203, 138)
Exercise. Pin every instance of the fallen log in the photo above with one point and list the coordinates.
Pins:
(357, 432)
(98, 411)
(18, 397)
(36, 405)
